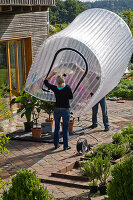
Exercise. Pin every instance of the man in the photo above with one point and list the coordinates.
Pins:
(103, 105)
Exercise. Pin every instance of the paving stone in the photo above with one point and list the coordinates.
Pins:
(42, 158)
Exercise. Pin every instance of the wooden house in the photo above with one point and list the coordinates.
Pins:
(23, 28)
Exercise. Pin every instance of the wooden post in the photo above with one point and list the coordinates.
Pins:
(9, 70)
(17, 67)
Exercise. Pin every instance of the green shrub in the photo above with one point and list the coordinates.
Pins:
(89, 169)
(130, 66)
(120, 150)
(121, 185)
(4, 105)
(130, 137)
(114, 151)
(3, 140)
(26, 186)
(118, 138)
(103, 169)
(128, 130)
(104, 149)
(123, 89)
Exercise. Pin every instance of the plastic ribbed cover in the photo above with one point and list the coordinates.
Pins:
(92, 53)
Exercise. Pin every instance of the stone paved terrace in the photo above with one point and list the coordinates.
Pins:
(44, 159)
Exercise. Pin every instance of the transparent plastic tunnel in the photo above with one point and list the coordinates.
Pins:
(92, 53)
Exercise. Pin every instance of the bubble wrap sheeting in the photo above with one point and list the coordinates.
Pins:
(93, 53)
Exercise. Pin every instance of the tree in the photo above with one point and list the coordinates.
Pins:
(65, 11)
(127, 16)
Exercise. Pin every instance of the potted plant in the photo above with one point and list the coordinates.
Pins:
(48, 108)
(36, 131)
(71, 123)
(103, 172)
(26, 107)
(88, 168)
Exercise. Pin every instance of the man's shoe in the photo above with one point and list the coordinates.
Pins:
(56, 147)
(93, 126)
(106, 129)
(67, 148)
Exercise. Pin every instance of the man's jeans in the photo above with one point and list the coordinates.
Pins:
(103, 105)
(65, 114)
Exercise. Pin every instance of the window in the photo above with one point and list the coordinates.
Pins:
(15, 62)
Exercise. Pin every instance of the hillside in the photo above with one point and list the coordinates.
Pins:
(113, 5)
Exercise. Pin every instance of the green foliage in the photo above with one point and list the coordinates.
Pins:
(130, 66)
(3, 140)
(114, 151)
(128, 130)
(88, 168)
(30, 105)
(56, 28)
(123, 89)
(112, 5)
(118, 138)
(48, 107)
(104, 149)
(120, 150)
(4, 106)
(65, 11)
(103, 169)
(127, 15)
(121, 185)
(97, 168)
(26, 186)
(125, 93)
(130, 138)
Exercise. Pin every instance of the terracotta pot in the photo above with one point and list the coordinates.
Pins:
(50, 120)
(36, 132)
(70, 126)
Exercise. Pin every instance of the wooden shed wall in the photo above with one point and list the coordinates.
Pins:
(32, 24)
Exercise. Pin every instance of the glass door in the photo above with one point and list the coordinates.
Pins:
(15, 62)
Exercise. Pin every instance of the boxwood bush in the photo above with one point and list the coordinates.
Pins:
(127, 131)
(26, 186)
(114, 151)
(121, 185)
(118, 138)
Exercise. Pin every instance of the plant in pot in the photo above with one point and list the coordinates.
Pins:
(89, 169)
(71, 123)
(48, 108)
(103, 166)
(26, 107)
(36, 130)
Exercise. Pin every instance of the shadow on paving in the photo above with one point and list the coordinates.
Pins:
(46, 138)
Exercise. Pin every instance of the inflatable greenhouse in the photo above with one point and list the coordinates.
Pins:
(92, 53)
